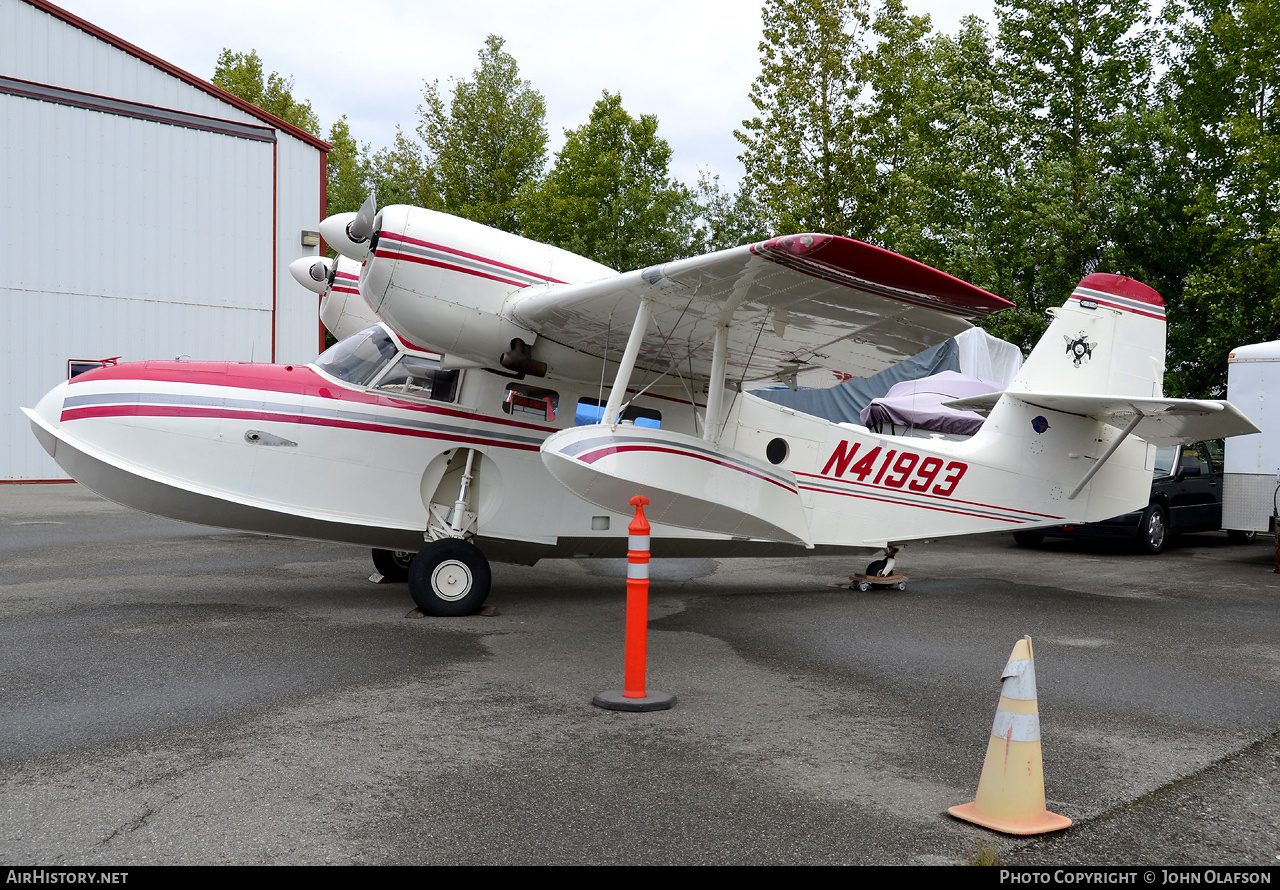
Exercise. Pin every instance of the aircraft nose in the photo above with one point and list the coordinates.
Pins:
(46, 415)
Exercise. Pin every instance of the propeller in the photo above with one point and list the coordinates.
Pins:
(360, 229)
(352, 234)
(314, 273)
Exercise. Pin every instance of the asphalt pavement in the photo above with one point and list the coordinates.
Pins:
(178, 694)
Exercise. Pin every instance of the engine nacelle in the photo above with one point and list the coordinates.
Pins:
(312, 272)
(441, 281)
(343, 311)
(333, 229)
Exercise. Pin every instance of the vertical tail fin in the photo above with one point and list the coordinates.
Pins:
(1107, 339)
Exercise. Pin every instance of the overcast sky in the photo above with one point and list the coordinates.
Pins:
(690, 63)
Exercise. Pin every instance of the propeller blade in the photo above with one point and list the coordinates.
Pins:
(361, 228)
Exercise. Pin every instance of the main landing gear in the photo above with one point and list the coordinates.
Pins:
(449, 577)
(446, 578)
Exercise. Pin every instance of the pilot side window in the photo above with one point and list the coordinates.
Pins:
(591, 410)
(421, 377)
(530, 401)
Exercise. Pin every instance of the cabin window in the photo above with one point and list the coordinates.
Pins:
(590, 411)
(419, 377)
(530, 401)
(358, 358)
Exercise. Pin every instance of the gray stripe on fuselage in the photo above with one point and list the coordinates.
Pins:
(286, 408)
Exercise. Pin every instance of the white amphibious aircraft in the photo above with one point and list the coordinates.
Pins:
(496, 398)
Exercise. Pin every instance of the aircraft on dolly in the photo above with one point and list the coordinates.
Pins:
(491, 397)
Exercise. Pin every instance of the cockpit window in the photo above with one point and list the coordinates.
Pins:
(358, 358)
(419, 376)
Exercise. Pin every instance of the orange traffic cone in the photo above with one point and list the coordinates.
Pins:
(1011, 791)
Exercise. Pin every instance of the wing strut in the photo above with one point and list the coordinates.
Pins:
(1111, 449)
(643, 315)
(715, 386)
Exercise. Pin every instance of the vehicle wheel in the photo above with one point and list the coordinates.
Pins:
(449, 577)
(393, 564)
(876, 567)
(1153, 533)
(1028, 539)
(863, 586)
(902, 585)
(1239, 536)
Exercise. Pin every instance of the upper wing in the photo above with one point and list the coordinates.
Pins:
(790, 303)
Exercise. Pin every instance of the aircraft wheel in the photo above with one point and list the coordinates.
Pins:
(449, 577)
(1028, 539)
(393, 564)
(1154, 531)
(1240, 536)
(876, 567)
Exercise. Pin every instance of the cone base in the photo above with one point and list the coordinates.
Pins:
(1041, 824)
(615, 700)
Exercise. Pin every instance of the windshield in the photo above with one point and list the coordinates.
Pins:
(359, 358)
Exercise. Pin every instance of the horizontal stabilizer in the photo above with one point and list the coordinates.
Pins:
(1160, 421)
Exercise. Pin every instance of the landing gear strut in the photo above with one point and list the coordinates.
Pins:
(450, 576)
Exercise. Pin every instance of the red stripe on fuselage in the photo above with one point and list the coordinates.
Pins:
(100, 411)
(301, 380)
(867, 497)
(919, 494)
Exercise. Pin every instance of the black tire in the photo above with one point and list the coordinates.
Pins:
(1153, 532)
(1028, 539)
(393, 564)
(449, 578)
(1240, 536)
(876, 567)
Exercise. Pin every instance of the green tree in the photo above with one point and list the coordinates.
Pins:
(348, 169)
(1077, 73)
(804, 164)
(725, 219)
(482, 149)
(609, 196)
(1222, 113)
(241, 74)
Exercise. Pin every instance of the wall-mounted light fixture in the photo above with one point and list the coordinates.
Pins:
(310, 239)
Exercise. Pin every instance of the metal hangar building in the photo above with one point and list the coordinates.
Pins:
(151, 215)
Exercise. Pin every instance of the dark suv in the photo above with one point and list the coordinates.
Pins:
(1186, 496)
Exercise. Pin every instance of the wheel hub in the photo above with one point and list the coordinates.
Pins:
(451, 580)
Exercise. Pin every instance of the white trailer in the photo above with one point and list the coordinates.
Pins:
(1251, 480)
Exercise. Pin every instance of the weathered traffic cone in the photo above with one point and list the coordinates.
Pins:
(1011, 791)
